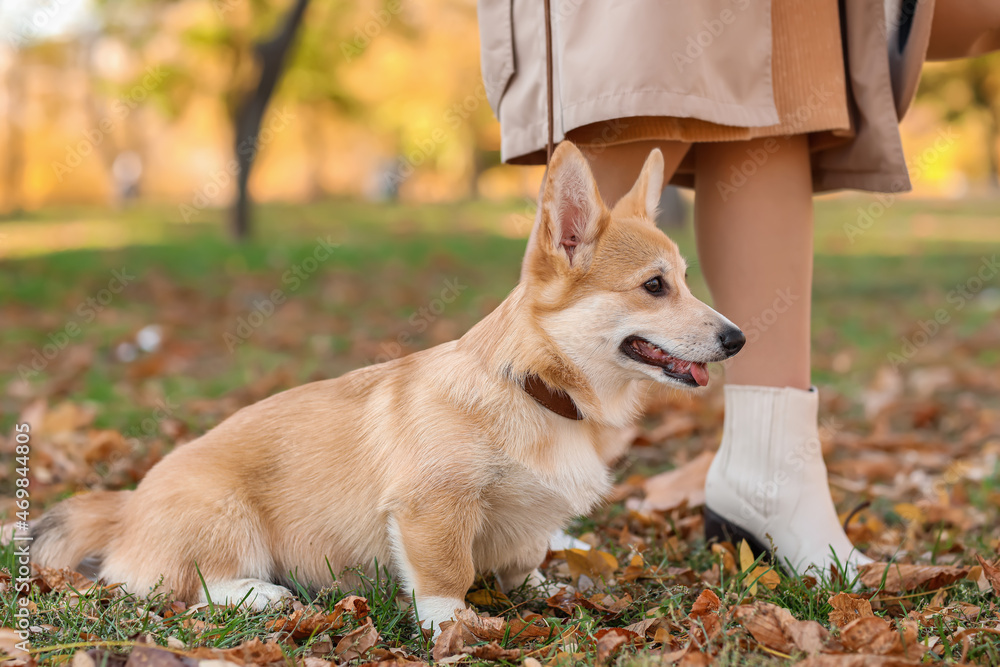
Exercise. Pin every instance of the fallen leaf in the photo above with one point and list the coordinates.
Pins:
(991, 572)
(703, 621)
(760, 573)
(591, 563)
(611, 640)
(453, 638)
(357, 642)
(848, 607)
(877, 636)
(301, 624)
(492, 651)
(9, 642)
(775, 627)
(683, 486)
(901, 577)
(253, 652)
(491, 629)
(62, 580)
(485, 597)
(728, 554)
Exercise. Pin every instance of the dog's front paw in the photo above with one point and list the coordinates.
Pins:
(252, 593)
(432, 611)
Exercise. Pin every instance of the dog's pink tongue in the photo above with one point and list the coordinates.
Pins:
(700, 374)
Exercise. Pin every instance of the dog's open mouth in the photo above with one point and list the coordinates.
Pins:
(693, 373)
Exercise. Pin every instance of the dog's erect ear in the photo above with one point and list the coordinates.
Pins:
(572, 213)
(644, 196)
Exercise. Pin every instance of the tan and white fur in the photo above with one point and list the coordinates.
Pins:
(438, 464)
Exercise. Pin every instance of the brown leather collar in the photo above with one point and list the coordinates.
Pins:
(556, 400)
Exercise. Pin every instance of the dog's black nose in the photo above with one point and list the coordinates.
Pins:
(732, 340)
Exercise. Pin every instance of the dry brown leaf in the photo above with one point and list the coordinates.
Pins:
(775, 627)
(877, 636)
(869, 634)
(594, 564)
(991, 572)
(492, 651)
(453, 638)
(9, 642)
(848, 607)
(648, 627)
(357, 642)
(611, 640)
(703, 621)
(485, 597)
(491, 629)
(253, 652)
(62, 580)
(301, 624)
(683, 486)
(728, 554)
(901, 577)
(760, 574)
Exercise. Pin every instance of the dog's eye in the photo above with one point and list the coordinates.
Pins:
(654, 285)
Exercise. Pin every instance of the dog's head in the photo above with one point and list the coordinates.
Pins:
(608, 287)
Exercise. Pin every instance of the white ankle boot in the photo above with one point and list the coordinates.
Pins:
(768, 482)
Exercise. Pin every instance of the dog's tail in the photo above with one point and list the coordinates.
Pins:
(78, 528)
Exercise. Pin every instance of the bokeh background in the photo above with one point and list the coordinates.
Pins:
(382, 222)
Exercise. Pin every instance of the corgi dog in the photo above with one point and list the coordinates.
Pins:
(460, 459)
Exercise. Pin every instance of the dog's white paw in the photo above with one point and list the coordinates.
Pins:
(435, 610)
(253, 593)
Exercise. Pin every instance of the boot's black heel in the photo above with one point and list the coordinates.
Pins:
(718, 529)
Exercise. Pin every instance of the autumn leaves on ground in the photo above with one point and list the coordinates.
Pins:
(143, 334)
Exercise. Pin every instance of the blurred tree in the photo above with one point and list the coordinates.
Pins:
(270, 55)
(969, 88)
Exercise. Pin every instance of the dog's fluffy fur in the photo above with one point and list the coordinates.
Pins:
(438, 464)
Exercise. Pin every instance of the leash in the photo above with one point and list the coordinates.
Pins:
(548, 81)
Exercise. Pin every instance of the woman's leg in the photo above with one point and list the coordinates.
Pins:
(616, 167)
(755, 245)
(754, 225)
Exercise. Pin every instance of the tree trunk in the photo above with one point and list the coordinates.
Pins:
(270, 55)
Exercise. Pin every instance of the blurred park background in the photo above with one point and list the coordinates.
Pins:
(382, 222)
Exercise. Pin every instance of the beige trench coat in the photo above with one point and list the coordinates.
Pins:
(707, 59)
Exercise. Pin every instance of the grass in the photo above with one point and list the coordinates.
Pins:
(376, 295)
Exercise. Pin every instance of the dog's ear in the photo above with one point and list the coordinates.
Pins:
(644, 196)
(572, 215)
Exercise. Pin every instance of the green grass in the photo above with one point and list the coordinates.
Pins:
(356, 306)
